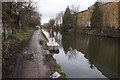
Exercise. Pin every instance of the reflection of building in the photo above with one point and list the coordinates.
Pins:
(104, 55)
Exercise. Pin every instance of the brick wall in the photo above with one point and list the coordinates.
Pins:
(109, 16)
(83, 19)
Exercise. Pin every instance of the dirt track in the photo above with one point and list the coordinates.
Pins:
(31, 62)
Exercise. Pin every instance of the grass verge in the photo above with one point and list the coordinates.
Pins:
(11, 47)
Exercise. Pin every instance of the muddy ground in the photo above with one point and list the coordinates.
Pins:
(35, 61)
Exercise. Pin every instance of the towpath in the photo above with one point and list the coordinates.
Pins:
(30, 62)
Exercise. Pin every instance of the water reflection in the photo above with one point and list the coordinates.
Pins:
(101, 52)
(72, 53)
(84, 56)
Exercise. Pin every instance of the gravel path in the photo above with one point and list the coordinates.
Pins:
(30, 61)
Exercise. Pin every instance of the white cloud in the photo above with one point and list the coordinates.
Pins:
(49, 8)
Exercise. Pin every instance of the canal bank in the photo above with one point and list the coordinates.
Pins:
(87, 31)
(35, 60)
(51, 62)
(101, 34)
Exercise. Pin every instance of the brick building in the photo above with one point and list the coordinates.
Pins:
(110, 16)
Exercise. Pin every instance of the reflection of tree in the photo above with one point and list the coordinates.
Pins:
(66, 41)
(91, 65)
(93, 49)
(58, 38)
(74, 37)
(102, 53)
(118, 57)
(72, 53)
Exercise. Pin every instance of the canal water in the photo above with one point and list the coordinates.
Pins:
(86, 56)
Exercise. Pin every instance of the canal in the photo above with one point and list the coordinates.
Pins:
(86, 56)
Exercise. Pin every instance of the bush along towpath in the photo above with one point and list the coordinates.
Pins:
(34, 61)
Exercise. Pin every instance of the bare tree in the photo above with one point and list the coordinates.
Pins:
(56, 21)
(74, 8)
(58, 18)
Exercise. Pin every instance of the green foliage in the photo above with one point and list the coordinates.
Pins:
(51, 22)
(11, 47)
(96, 18)
(23, 35)
(46, 25)
(18, 16)
(50, 25)
(67, 20)
(20, 36)
(29, 17)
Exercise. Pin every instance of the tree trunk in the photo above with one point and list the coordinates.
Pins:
(4, 31)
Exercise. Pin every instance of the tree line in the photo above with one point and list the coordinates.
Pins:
(64, 21)
(17, 16)
(67, 21)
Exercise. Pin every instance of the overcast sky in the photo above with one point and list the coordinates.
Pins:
(50, 8)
